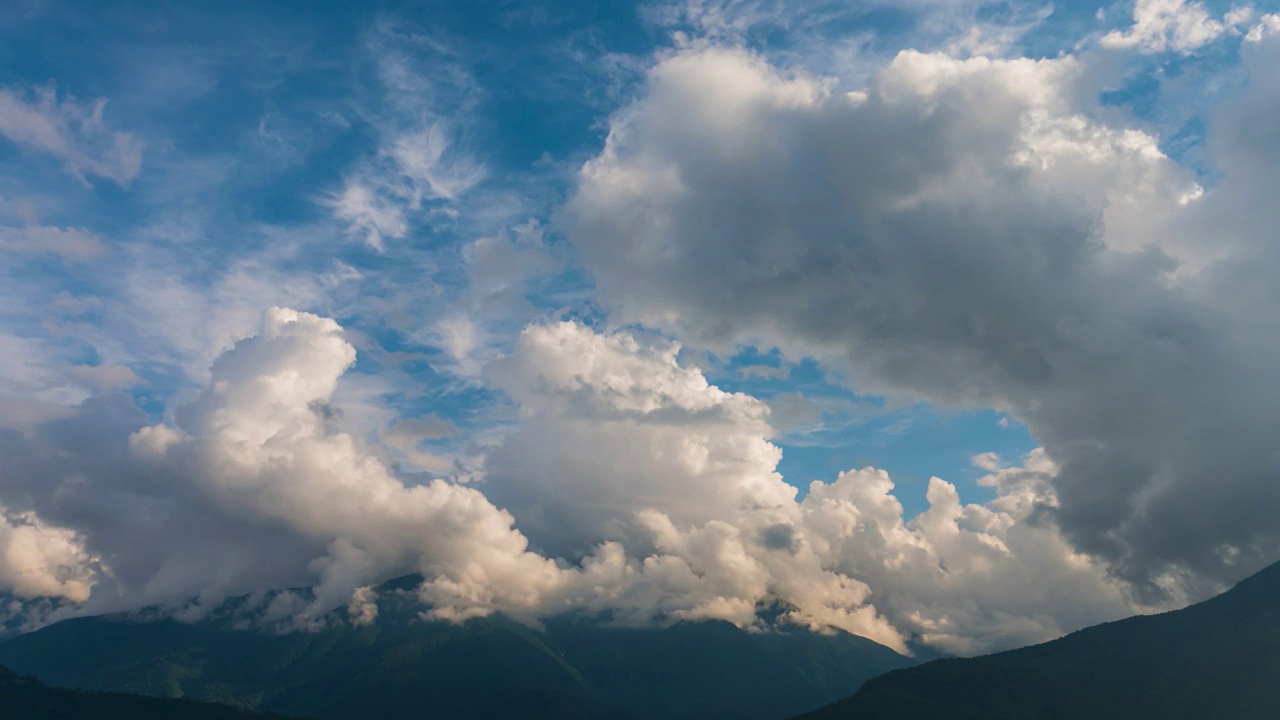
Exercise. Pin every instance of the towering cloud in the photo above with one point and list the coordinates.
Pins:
(962, 232)
(649, 495)
(255, 445)
(619, 442)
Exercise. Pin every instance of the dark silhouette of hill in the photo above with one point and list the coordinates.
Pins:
(1216, 659)
(404, 667)
(25, 698)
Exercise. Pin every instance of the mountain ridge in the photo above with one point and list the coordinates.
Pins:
(1215, 659)
(403, 666)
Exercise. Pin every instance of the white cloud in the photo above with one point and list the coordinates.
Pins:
(188, 322)
(40, 560)
(619, 442)
(962, 232)
(414, 168)
(661, 439)
(369, 212)
(423, 158)
(964, 578)
(657, 490)
(255, 446)
(1177, 25)
(417, 167)
(180, 511)
(1268, 26)
(363, 608)
(73, 132)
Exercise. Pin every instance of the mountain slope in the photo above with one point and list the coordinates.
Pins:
(402, 667)
(24, 698)
(1217, 659)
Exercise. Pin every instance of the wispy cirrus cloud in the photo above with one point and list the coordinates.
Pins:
(417, 165)
(76, 133)
(73, 244)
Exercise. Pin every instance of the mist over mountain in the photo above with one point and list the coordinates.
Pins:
(401, 666)
(1216, 659)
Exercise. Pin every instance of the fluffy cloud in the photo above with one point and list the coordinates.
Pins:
(619, 442)
(181, 512)
(661, 439)
(256, 446)
(655, 491)
(1160, 25)
(964, 578)
(960, 232)
(1267, 26)
(38, 560)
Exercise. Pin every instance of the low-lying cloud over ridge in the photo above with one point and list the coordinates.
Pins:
(652, 494)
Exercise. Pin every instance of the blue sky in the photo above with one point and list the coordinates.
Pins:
(1012, 284)
(251, 117)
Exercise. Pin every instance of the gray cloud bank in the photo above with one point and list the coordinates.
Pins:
(961, 232)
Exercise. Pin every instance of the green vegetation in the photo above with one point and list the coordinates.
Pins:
(1217, 659)
(24, 698)
(402, 667)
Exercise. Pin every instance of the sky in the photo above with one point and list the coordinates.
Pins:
(949, 324)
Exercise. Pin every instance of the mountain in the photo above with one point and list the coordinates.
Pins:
(1217, 659)
(25, 698)
(401, 666)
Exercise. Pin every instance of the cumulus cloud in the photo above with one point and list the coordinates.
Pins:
(632, 489)
(964, 578)
(1166, 24)
(619, 442)
(255, 446)
(75, 133)
(180, 512)
(188, 322)
(39, 560)
(961, 232)
(1267, 26)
